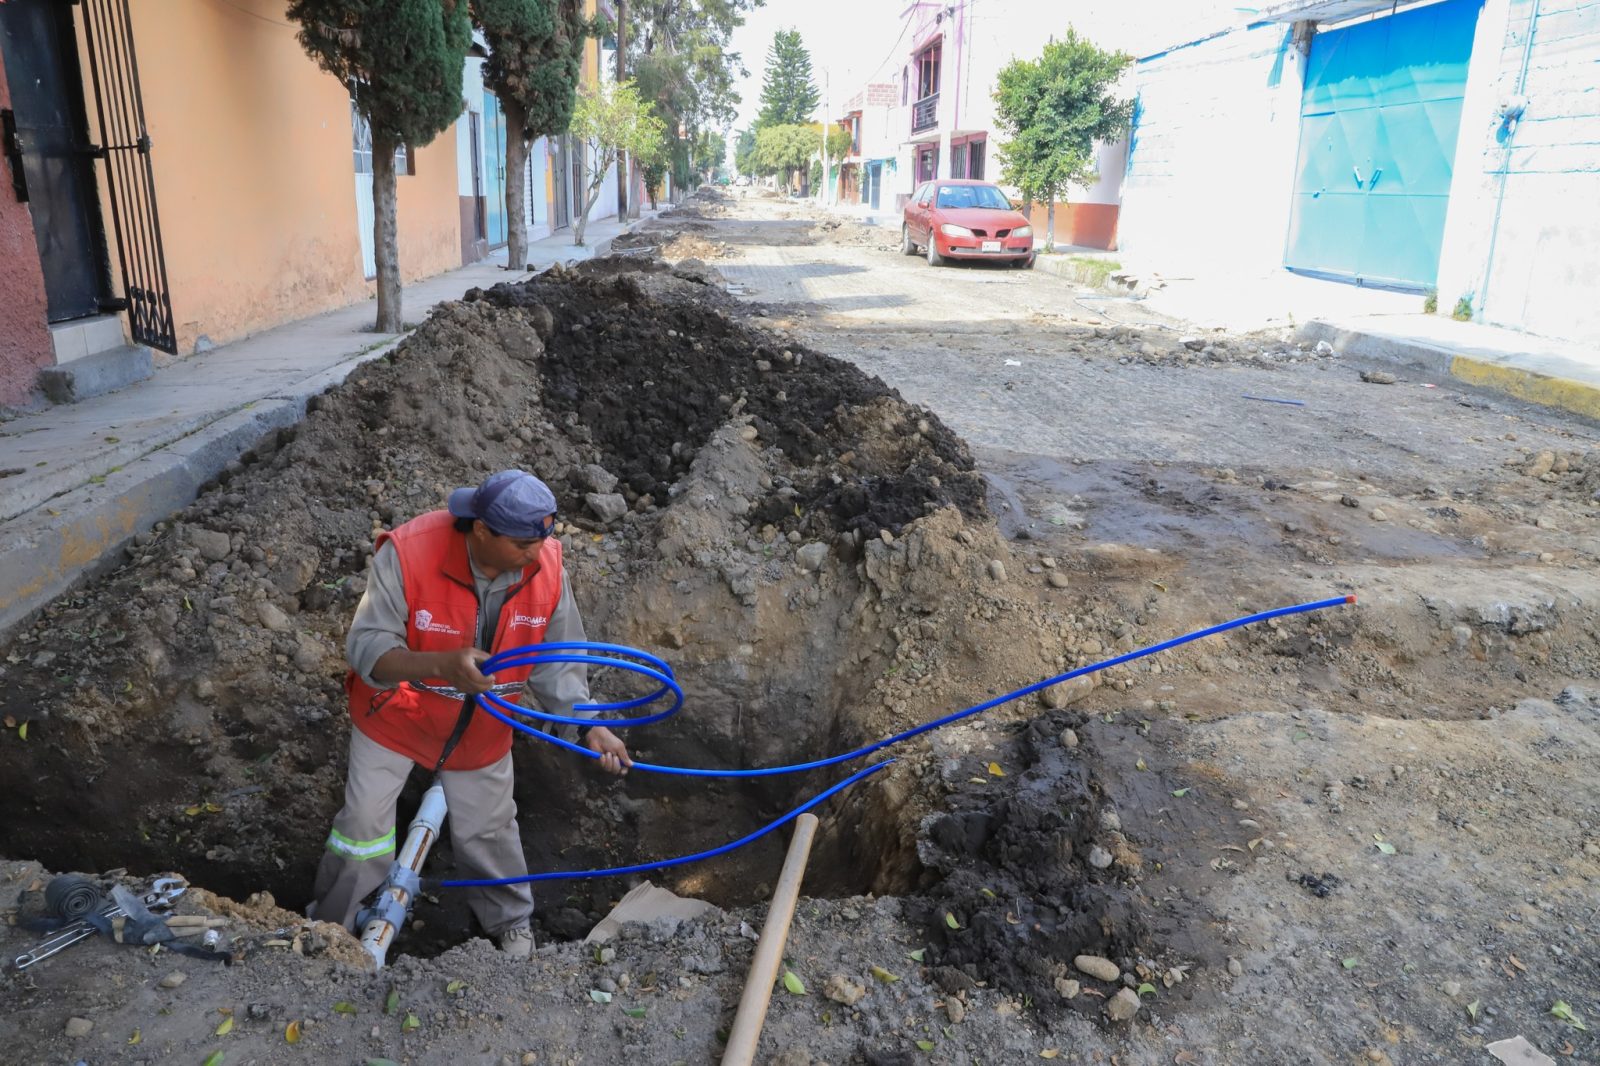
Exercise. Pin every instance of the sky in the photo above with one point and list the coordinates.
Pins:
(853, 41)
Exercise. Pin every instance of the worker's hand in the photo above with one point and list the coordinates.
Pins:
(460, 669)
(612, 751)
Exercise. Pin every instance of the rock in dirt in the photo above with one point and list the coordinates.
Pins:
(997, 569)
(1194, 344)
(1379, 515)
(1235, 967)
(1069, 738)
(955, 1010)
(609, 507)
(811, 556)
(216, 547)
(1068, 988)
(78, 1027)
(1098, 968)
(1377, 377)
(1056, 579)
(1123, 1006)
(1541, 465)
(173, 979)
(1099, 857)
(841, 989)
(272, 616)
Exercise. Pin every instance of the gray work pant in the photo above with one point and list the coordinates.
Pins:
(483, 833)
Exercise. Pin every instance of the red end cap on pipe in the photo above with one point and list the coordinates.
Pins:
(1350, 599)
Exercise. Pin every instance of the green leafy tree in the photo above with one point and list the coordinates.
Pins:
(786, 149)
(710, 155)
(401, 60)
(535, 60)
(788, 91)
(1052, 110)
(744, 154)
(609, 120)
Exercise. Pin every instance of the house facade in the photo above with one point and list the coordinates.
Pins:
(181, 174)
(943, 108)
(1445, 146)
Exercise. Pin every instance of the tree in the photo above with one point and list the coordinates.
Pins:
(788, 93)
(787, 148)
(744, 155)
(710, 155)
(401, 60)
(609, 120)
(535, 58)
(1053, 109)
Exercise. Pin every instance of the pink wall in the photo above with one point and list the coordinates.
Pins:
(24, 337)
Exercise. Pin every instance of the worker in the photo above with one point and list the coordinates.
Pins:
(483, 574)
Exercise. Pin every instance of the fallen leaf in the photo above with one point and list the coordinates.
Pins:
(191, 811)
(1180, 792)
(1564, 1012)
(343, 1007)
(413, 1022)
(977, 781)
(1384, 846)
(1140, 765)
(22, 731)
(1012, 919)
(226, 1027)
(633, 1012)
(11, 723)
(1256, 843)
(392, 1003)
(1049, 1053)
(1184, 1058)
(950, 920)
(291, 1032)
(1472, 1010)
(599, 996)
(792, 982)
(455, 986)
(136, 1037)
(1147, 989)
(915, 956)
(925, 1045)
(1299, 735)
(215, 1058)
(1351, 963)
(884, 975)
(1513, 960)
(995, 771)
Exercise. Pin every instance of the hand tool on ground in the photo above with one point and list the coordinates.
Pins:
(164, 891)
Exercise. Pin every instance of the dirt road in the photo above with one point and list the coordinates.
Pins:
(1371, 835)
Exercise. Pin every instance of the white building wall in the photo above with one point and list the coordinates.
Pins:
(1522, 240)
(1214, 145)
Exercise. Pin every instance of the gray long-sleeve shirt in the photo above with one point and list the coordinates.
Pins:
(380, 625)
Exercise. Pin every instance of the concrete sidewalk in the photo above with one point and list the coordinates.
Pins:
(77, 481)
(1554, 373)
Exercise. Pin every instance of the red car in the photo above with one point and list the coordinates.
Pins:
(955, 218)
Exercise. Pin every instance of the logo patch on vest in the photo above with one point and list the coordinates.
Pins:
(534, 620)
(423, 620)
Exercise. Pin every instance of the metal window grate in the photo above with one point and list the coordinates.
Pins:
(130, 181)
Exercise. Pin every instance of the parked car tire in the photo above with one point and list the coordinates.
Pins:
(906, 247)
(1025, 264)
(934, 258)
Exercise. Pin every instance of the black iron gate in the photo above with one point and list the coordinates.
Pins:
(130, 182)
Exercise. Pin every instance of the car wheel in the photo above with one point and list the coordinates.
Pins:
(906, 247)
(1024, 264)
(934, 258)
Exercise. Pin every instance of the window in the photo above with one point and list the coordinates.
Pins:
(958, 161)
(905, 85)
(928, 163)
(982, 196)
(975, 150)
(405, 161)
(928, 72)
(361, 140)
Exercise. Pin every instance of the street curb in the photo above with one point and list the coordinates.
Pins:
(80, 534)
(1523, 383)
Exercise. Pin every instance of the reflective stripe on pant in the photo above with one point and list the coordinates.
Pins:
(483, 835)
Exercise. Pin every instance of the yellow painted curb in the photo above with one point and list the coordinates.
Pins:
(1575, 396)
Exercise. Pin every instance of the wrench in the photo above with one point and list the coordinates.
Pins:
(163, 892)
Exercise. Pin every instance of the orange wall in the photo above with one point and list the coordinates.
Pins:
(1084, 225)
(254, 174)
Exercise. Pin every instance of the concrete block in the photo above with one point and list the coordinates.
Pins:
(97, 374)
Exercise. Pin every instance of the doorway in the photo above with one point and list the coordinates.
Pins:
(494, 169)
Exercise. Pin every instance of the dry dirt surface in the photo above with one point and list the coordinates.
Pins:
(845, 493)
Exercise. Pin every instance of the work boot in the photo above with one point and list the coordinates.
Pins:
(518, 942)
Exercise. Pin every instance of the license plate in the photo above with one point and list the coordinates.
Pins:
(991, 246)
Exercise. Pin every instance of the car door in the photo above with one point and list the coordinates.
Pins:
(924, 213)
(913, 227)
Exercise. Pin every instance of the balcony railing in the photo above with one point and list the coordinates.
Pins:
(925, 113)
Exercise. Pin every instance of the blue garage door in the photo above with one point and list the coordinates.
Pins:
(1378, 125)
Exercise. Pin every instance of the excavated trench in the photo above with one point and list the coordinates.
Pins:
(804, 546)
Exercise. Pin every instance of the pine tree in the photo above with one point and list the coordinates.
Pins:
(788, 92)
(401, 60)
(535, 60)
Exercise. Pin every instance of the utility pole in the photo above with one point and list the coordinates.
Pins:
(624, 163)
(827, 119)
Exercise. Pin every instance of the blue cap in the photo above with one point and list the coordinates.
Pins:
(513, 503)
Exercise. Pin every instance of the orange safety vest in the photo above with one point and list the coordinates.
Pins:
(443, 616)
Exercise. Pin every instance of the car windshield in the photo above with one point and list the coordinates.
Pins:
(984, 196)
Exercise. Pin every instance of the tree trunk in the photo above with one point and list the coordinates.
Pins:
(385, 237)
(516, 186)
(1050, 225)
(581, 223)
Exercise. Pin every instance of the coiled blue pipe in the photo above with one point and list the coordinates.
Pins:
(659, 670)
